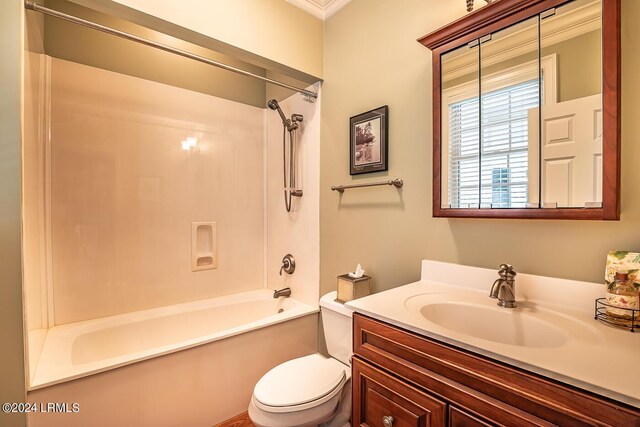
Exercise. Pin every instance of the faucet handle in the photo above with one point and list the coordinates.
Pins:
(288, 264)
(506, 271)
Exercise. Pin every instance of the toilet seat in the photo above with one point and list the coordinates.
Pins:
(300, 384)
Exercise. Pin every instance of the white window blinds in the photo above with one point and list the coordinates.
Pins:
(492, 173)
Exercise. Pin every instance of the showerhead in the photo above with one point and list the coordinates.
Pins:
(273, 104)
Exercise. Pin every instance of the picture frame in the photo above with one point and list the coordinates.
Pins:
(368, 141)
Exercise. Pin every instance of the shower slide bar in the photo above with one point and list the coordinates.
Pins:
(398, 183)
(309, 96)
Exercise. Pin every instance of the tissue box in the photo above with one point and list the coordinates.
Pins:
(350, 288)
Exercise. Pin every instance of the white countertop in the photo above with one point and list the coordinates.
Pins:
(596, 357)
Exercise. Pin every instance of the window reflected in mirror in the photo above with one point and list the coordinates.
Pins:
(460, 127)
(510, 84)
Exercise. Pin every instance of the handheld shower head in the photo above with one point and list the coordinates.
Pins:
(273, 104)
(289, 174)
(290, 124)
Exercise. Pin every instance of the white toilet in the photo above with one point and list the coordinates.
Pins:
(310, 390)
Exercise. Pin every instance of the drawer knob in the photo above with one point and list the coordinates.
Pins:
(387, 421)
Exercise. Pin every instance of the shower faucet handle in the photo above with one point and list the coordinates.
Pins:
(288, 264)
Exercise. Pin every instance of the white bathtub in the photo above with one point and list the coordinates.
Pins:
(79, 349)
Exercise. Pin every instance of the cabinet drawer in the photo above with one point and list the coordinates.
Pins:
(377, 395)
(459, 418)
(502, 394)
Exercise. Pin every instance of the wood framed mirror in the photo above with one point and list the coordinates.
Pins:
(526, 111)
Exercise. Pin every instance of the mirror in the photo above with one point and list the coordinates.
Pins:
(570, 123)
(520, 124)
(485, 141)
(460, 127)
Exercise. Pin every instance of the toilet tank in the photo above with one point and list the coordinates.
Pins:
(336, 324)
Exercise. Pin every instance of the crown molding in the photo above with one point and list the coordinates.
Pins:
(332, 6)
(321, 9)
(557, 29)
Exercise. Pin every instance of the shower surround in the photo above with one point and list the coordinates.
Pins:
(116, 171)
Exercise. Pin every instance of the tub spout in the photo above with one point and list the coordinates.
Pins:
(286, 292)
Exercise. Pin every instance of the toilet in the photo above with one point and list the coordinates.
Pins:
(311, 390)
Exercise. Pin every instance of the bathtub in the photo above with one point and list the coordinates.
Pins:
(80, 349)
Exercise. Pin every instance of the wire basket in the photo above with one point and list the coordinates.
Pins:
(632, 323)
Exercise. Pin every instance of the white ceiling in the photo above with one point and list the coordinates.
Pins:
(321, 9)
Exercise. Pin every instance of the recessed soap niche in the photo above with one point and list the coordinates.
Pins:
(204, 246)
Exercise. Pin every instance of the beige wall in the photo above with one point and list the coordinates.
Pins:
(272, 34)
(12, 380)
(281, 93)
(124, 194)
(579, 65)
(372, 59)
(79, 44)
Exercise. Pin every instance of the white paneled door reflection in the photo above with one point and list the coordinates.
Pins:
(571, 152)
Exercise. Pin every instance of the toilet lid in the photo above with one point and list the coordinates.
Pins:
(298, 382)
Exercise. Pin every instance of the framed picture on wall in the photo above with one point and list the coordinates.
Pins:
(368, 141)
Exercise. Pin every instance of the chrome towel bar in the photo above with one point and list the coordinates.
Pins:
(398, 183)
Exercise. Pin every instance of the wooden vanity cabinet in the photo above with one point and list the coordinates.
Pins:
(404, 379)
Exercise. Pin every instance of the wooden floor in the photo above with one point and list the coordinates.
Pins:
(241, 420)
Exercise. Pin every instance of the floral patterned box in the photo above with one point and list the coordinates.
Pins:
(623, 260)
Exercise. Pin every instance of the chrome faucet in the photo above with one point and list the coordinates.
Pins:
(504, 289)
(285, 292)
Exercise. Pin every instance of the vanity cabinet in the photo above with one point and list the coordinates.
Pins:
(405, 379)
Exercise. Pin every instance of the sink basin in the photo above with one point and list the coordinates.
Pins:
(478, 316)
(502, 325)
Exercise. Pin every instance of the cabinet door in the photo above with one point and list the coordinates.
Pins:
(380, 400)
